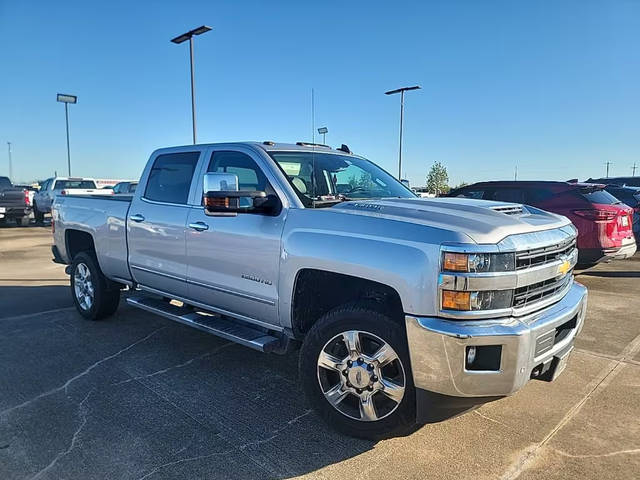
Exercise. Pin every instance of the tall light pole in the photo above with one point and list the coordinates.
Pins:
(10, 164)
(183, 38)
(323, 131)
(401, 92)
(67, 99)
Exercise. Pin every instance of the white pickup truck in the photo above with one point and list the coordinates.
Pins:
(52, 187)
(406, 310)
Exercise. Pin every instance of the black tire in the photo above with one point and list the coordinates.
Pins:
(24, 221)
(39, 216)
(365, 318)
(106, 294)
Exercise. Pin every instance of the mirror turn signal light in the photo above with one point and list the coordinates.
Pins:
(452, 300)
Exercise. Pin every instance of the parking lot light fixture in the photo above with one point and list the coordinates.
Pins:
(323, 131)
(67, 99)
(183, 38)
(401, 92)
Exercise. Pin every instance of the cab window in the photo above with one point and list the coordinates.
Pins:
(250, 175)
(170, 177)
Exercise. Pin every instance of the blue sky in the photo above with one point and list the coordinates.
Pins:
(552, 86)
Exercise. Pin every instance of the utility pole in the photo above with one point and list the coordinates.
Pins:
(515, 176)
(634, 169)
(607, 164)
(10, 164)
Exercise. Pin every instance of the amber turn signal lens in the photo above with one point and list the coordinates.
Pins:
(220, 202)
(457, 262)
(452, 300)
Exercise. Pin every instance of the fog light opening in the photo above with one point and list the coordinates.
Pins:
(471, 355)
(485, 358)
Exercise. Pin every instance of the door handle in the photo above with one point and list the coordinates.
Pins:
(137, 218)
(199, 226)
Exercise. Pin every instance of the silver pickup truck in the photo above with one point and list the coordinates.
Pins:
(405, 310)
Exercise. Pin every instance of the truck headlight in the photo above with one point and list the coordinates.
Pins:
(484, 300)
(478, 262)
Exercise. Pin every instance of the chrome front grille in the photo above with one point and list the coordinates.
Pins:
(540, 256)
(535, 292)
(540, 274)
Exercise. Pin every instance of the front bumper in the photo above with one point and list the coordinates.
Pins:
(438, 347)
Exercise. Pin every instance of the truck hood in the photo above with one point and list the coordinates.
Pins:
(483, 221)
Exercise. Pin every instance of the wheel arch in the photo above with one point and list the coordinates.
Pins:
(77, 241)
(316, 292)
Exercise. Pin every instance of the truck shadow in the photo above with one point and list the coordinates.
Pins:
(202, 404)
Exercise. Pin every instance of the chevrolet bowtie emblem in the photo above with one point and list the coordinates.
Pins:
(564, 267)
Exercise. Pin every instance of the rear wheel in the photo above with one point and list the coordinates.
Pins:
(94, 295)
(38, 214)
(354, 367)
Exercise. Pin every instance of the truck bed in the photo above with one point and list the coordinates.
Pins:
(105, 219)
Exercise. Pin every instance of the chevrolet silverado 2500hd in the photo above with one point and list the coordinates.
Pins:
(407, 310)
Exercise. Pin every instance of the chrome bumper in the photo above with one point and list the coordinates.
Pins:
(438, 347)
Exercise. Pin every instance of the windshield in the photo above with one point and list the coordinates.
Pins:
(323, 179)
(67, 184)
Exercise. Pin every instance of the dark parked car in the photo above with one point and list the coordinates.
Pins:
(603, 221)
(629, 196)
(622, 181)
(14, 203)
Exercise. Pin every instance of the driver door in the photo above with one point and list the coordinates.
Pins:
(234, 260)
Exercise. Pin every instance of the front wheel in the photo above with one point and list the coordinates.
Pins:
(94, 295)
(354, 368)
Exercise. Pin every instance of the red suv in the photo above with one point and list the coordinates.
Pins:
(604, 223)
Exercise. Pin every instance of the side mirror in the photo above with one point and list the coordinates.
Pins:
(222, 197)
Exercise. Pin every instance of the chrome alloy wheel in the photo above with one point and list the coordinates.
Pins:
(361, 375)
(83, 286)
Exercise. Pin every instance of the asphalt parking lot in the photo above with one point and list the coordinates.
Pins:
(137, 397)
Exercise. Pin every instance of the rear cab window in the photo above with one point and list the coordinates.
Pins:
(66, 184)
(4, 183)
(170, 177)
